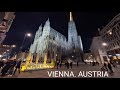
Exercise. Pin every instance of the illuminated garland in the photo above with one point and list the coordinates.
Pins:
(36, 66)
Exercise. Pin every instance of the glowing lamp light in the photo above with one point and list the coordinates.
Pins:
(13, 45)
(72, 56)
(28, 34)
(0, 56)
(110, 33)
(8, 50)
(4, 59)
(104, 44)
(4, 52)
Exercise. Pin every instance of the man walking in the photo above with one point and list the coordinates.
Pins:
(18, 66)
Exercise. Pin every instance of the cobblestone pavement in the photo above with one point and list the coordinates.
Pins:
(75, 70)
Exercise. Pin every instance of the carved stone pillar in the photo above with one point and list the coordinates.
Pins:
(37, 58)
(45, 58)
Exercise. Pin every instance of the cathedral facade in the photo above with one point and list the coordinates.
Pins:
(56, 46)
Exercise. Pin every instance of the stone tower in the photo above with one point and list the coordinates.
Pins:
(72, 32)
(74, 41)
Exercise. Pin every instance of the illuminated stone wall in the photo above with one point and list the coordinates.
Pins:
(6, 19)
(48, 40)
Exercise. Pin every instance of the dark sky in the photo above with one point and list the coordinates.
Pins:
(87, 24)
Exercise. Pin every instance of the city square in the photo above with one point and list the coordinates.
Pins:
(31, 47)
(43, 73)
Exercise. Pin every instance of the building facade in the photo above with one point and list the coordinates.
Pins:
(6, 50)
(111, 35)
(98, 50)
(56, 46)
(6, 19)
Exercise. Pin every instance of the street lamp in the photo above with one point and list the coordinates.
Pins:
(8, 50)
(26, 35)
(110, 32)
(0, 56)
(104, 44)
(13, 46)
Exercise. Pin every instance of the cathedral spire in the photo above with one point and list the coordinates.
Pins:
(40, 26)
(71, 17)
(48, 22)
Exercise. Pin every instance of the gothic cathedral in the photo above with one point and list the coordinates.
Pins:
(50, 42)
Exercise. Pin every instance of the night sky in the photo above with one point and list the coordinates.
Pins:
(87, 24)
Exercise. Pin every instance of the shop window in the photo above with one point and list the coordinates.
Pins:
(104, 58)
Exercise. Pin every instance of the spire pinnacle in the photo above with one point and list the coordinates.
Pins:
(71, 17)
(40, 27)
(48, 21)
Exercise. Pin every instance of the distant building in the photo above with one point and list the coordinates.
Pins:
(98, 50)
(88, 57)
(49, 41)
(6, 19)
(111, 35)
(5, 50)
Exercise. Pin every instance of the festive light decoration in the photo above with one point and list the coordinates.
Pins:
(34, 66)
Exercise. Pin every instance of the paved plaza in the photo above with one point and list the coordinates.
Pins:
(75, 69)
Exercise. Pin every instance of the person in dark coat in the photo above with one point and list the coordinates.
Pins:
(71, 63)
(17, 67)
(1, 64)
(104, 67)
(60, 64)
(57, 64)
(67, 64)
(114, 64)
(110, 67)
(77, 63)
(6, 68)
(93, 63)
(13, 63)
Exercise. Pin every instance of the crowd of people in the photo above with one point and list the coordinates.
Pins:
(9, 67)
(68, 64)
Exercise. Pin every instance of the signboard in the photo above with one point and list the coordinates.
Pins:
(36, 66)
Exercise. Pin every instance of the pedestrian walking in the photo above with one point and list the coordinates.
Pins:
(110, 67)
(77, 63)
(114, 64)
(57, 64)
(67, 64)
(5, 68)
(1, 64)
(71, 63)
(104, 67)
(60, 64)
(11, 70)
(18, 66)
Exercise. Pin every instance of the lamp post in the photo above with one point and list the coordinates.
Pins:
(26, 35)
(13, 46)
